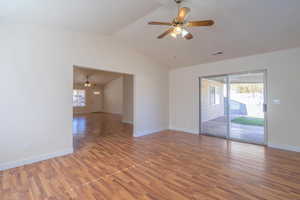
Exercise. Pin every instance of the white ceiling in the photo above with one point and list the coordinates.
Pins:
(243, 27)
(98, 77)
(101, 16)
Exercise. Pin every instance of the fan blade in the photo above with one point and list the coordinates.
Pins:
(160, 23)
(200, 23)
(189, 36)
(170, 30)
(183, 12)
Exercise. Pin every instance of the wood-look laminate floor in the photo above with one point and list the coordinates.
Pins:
(109, 163)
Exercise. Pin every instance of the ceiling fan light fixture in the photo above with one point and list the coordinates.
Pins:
(178, 30)
(184, 33)
(87, 83)
(174, 35)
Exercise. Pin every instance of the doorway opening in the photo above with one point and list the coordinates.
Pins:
(102, 106)
(233, 106)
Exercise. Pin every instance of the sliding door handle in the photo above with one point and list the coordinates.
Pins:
(265, 107)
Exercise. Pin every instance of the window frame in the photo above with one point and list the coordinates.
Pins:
(214, 96)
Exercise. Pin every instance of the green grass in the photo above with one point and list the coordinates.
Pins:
(249, 121)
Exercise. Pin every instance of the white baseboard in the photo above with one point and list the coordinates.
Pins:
(127, 122)
(26, 161)
(148, 132)
(285, 147)
(184, 130)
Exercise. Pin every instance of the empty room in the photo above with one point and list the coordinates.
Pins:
(160, 99)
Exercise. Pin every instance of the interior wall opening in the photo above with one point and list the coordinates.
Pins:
(103, 106)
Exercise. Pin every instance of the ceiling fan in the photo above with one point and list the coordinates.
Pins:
(179, 24)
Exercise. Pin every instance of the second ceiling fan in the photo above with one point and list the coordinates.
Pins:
(179, 24)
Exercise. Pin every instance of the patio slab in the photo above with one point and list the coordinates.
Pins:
(218, 127)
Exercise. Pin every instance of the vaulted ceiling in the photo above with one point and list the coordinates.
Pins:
(243, 27)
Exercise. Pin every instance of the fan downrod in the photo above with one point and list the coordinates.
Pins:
(178, 1)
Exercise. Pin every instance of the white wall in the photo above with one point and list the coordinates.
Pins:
(283, 83)
(113, 96)
(93, 103)
(37, 70)
(128, 94)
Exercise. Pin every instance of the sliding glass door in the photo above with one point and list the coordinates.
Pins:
(213, 106)
(233, 106)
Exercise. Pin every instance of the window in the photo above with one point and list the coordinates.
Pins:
(78, 98)
(214, 96)
(96, 92)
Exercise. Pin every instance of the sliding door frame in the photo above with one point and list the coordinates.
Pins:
(264, 71)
